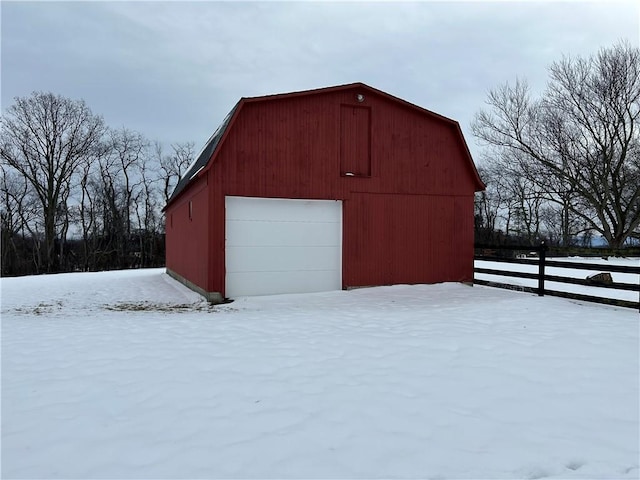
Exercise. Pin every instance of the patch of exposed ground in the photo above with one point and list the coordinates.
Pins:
(42, 308)
(166, 307)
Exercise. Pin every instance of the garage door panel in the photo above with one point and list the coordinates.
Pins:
(265, 259)
(282, 246)
(254, 233)
(281, 209)
(269, 283)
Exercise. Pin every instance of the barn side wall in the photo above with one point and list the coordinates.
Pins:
(187, 236)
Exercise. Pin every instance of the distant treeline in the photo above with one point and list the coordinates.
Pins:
(76, 195)
(582, 246)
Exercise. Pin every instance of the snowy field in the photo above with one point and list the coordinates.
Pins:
(125, 375)
(599, 265)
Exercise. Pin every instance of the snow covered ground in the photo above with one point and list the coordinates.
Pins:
(129, 375)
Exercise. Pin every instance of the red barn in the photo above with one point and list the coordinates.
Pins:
(324, 189)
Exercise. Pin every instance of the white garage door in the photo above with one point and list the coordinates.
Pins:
(282, 246)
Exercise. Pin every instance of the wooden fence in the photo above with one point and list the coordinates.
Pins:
(497, 254)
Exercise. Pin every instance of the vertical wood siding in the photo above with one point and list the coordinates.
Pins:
(391, 239)
(355, 141)
(187, 239)
(290, 147)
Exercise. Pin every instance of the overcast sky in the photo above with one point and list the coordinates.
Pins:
(172, 70)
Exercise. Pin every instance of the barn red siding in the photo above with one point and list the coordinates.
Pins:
(291, 148)
(216, 231)
(407, 214)
(187, 239)
(355, 140)
(391, 239)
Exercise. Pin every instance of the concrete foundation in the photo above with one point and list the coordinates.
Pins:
(211, 297)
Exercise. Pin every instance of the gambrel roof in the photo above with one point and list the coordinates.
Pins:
(207, 155)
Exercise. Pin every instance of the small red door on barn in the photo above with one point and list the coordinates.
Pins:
(355, 141)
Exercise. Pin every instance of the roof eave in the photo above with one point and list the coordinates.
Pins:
(202, 164)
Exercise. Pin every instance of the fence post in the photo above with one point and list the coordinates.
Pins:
(542, 250)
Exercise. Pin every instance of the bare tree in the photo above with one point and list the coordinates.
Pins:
(174, 165)
(510, 204)
(489, 205)
(580, 142)
(77, 195)
(45, 137)
(525, 204)
(87, 215)
(13, 192)
(148, 212)
(129, 149)
(110, 196)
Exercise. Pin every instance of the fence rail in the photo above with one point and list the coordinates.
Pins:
(541, 276)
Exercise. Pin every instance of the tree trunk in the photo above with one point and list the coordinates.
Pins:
(51, 263)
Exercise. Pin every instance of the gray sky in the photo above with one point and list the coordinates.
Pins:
(172, 70)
